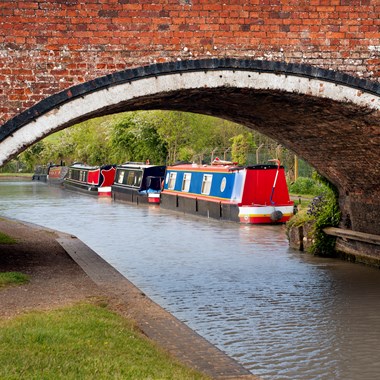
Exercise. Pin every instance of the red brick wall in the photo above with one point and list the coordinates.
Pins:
(47, 46)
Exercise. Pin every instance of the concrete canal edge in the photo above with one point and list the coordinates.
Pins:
(353, 246)
(155, 322)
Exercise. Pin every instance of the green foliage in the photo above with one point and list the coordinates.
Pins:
(90, 142)
(186, 154)
(323, 211)
(172, 127)
(241, 145)
(82, 342)
(135, 138)
(12, 278)
(163, 137)
(299, 219)
(30, 157)
(307, 186)
(16, 175)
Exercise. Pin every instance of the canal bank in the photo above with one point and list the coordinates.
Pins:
(56, 280)
(353, 246)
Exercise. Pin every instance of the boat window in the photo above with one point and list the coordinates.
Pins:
(83, 176)
(186, 182)
(131, 178)
(74, 174)
(121, 177)
(206, 184)
(138, 178)
(172, 178)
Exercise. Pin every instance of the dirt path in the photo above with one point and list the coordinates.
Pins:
(55, 279)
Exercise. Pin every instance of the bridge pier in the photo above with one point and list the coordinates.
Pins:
(358, 239)
(360, 211)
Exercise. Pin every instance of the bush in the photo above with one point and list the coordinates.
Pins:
(323, 211)
(306, 186)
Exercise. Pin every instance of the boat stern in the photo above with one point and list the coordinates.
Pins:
(104, 191)
(154, 198)
(265, 214)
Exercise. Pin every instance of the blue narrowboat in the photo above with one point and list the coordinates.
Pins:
(251, 194)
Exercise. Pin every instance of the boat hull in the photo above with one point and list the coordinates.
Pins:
(200, 207)
(81, 187)
(129, 195)
(265, 214)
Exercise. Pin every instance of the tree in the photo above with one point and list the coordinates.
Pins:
(173, 129)
(31, 156)
(163, 137)
(242, 144)
(135, 138)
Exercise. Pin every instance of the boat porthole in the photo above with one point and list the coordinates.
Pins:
(223, 184)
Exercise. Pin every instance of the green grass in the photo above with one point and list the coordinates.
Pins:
(12, 278)
(16, 175)
(5, 239)
(82, 342)
(305, 199)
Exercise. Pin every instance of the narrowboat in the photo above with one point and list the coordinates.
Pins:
(57, 174)
(96, 180)
(40, 173)
(51, 173)
(138, 182)
(252, 194)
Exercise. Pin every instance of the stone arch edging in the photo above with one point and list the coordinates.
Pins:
(271, 75)
(134, 74)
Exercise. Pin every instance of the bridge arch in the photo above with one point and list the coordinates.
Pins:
(328, 118)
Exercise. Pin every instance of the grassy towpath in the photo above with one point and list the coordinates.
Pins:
(57, 324)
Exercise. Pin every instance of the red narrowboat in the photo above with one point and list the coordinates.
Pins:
(96, 180)
(57, 174)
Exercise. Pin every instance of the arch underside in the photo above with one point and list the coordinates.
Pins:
(333, 126)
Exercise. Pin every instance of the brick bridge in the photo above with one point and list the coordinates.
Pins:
(306, 73)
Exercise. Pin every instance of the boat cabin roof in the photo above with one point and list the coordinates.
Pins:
(83, 166)
(136, 165)
(219, 168)
(89, 167)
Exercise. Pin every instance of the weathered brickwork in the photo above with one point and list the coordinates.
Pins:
(47, 46)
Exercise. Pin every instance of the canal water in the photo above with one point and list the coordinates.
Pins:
(281, 313)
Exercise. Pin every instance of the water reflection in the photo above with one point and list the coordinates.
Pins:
(283, 314)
